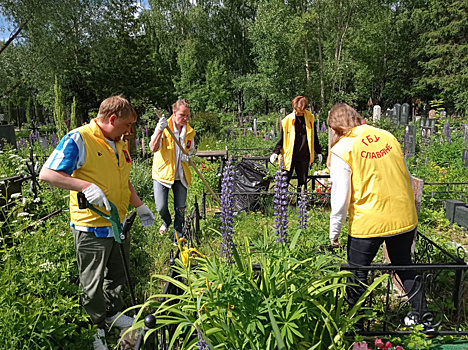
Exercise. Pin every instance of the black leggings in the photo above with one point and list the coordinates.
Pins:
(361, 252)
(302, 170)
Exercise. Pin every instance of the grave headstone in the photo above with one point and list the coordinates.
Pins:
(7, 135)
(389, 113)
(43, 142)
(405, 112)
(396, 113)
(376, 113)
(410, 139)
(272, 134)
(432, 113)
(255, 127)
(443, 114)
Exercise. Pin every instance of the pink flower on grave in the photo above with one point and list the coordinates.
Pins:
(379, 343)
(388, 346)
(398, 347)
(360, 346)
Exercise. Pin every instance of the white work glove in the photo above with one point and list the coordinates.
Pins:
(95, 196)
(162, 124)
(185, 158)
(273, 158)
(192, 151)
(146, 215)
(320, 158)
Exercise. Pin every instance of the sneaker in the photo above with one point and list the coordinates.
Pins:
(119, 320)
(99, 342)
(426, 322)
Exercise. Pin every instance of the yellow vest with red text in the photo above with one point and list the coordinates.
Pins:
(289, 136)
(164, 158)
(382, 201)
(101, 168)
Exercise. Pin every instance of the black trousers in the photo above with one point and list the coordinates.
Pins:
(302, 170)
(361, 252)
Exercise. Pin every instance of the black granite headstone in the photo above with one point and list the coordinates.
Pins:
(7, 135)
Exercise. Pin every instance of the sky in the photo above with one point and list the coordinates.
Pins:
(4, 32)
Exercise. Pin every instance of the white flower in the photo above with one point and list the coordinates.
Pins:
(46, 266)
(23, 214)
(37, 200)
(16, 195)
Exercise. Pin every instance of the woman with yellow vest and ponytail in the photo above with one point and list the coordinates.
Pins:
(170, 165)
(298, 141)
(371, 183)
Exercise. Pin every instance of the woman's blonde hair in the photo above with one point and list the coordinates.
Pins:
(341, 119)
(179, 103)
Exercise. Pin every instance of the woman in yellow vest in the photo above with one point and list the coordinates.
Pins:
(170, 165)
(371, 183)
(298, 141)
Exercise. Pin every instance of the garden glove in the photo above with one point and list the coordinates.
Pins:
(192, 151)
(162, 124)
(273, 158)
(320, 158)
(94, 195)
(146, 215)
(185, 158)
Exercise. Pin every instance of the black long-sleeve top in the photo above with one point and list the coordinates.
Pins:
(301, 146)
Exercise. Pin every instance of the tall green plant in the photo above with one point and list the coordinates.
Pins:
(73, 115)
(294, 302)
(58, 110)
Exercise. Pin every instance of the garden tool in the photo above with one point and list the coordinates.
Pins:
(120, 232)
(190, 160)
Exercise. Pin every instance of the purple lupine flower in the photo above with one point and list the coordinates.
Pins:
(31, 138)
(245, 134)
(17, 145)
(227, 211)
(146, 131)
(447, 132)
(54, 140)
(137, 142)
(302, 209)
(281, 203)
(465, 156)
(466, 133)
(202, 345)
(324, 127)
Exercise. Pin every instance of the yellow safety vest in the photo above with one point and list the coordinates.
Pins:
(382, 201)
(289, 136)
(164, 158)
(101, 168)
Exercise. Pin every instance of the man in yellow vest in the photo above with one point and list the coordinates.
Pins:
(298, 142)
(94, 160)
(371, 183)
(170, 165)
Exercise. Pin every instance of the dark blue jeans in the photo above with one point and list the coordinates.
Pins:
(161, 199)
(361, 252)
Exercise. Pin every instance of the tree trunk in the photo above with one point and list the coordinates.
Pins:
(320, 44)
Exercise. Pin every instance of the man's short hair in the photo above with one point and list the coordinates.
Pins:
(116, 105)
